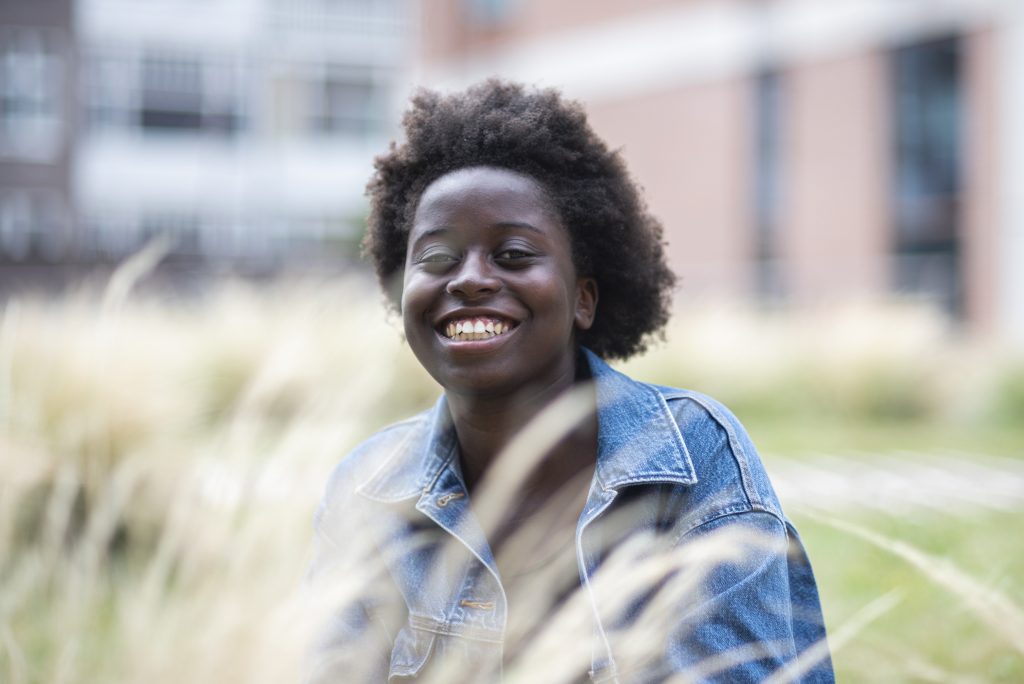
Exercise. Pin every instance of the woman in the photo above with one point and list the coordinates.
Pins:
(519, 253)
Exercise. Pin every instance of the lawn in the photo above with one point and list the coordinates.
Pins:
(931, 634)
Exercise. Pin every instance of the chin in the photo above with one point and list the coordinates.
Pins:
(475, 383)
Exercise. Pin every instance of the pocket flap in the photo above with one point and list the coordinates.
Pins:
(411, 652)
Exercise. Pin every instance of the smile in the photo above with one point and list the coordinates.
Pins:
(466, 329)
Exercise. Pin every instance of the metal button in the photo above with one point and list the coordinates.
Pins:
(445, 499)
(479, 605)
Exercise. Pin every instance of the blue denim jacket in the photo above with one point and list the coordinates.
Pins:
(682, 461)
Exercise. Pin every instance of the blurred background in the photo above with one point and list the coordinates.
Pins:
(799, 153)
(840, 184)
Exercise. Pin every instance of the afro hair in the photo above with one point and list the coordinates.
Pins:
(538, 133)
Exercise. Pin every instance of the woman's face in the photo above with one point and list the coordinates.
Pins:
(491, 299)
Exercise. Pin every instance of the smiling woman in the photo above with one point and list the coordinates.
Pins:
(486, 249)
(548, 512)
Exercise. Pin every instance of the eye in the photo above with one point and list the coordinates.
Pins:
(436, 258)
(514, 256)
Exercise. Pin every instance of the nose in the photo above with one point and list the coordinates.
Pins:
(473, 278)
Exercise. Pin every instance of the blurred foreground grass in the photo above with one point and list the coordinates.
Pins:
(160, 461)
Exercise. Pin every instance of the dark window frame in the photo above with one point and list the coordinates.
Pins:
(928, 109)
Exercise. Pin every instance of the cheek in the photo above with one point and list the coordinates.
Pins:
(567, 287)
(412, 293)
(417, 296)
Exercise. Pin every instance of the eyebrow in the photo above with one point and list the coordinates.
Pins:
(504, 225)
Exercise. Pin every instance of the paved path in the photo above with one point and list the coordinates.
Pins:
(901, 483)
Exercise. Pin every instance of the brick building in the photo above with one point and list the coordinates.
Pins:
(798, 152)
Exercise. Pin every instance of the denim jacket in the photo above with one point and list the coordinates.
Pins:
(682, 461)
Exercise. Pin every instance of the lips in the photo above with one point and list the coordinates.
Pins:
(470, 328)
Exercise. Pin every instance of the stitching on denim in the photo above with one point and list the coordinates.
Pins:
(651, 478)
(432, 481)
(664, 419)
(418, 661)
(668, 417)
(725, 513)
(447, 629)
(411, 425)
(582, 560)
(739, 454)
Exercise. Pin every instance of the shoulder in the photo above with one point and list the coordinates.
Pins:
(381, 452)
(728, 467)
(702, 418)
(698, 406)
(653, 433)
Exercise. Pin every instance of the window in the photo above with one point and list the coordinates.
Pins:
(182, 229)
(31, 84)
(164, 93)
(768, 185)
(345, 101)
(172, 94)
(387, 19)
(112, 236)
(927, 128)
(33, 224)
(489, 13)
(16, 225)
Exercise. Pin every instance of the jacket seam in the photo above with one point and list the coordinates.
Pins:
(446, 628)
(725, 513)
(411, 426)
(445, 462)
(739, 454)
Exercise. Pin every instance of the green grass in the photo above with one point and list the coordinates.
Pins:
(931, 635)
(803, 438)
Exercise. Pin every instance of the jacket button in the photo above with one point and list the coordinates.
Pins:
(479, 605)
(445, 499)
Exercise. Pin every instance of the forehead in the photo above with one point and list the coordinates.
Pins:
(485, 192)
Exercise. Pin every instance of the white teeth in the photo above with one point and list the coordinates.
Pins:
(476, 329)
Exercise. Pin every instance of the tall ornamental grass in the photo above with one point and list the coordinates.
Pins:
(160, 461)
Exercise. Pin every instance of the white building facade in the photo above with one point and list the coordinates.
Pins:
(243, 130)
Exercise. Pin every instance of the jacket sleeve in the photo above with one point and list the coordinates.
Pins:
(751, 618)
(753, 609)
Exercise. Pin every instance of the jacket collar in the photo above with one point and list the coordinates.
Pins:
(638, 442)
(637, 435)
(416, 464)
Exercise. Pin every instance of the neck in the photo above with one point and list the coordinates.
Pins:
(486, 424)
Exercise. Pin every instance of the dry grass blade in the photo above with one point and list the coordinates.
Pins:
(514, 464)
(133, 269)
(17, 665)
(838, 638)
(8, 331)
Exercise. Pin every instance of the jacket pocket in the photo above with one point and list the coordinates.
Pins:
(410, 653)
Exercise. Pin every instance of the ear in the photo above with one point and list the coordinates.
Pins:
(586, 303)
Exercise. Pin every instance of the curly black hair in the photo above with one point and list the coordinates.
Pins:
(537, 133)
